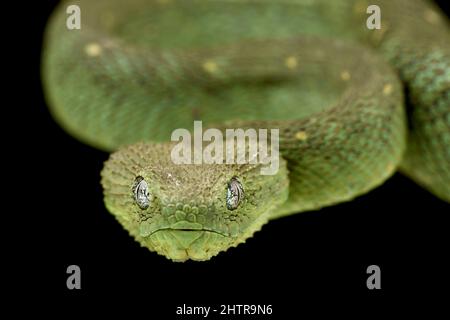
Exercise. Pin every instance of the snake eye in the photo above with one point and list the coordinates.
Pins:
(141, 193)
(235, 193)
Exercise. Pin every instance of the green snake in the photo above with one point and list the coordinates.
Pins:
(352, 105)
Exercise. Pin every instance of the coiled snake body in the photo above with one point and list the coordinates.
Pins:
(137, 70)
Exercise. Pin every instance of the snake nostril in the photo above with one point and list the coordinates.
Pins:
(191, 218)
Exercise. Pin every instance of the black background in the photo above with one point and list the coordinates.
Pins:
(290, 263)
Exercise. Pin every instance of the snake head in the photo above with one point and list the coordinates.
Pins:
(188, 211)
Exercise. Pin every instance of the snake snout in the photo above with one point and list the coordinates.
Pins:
(182, 244)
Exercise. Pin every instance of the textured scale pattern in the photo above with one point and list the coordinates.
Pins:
(352, 106)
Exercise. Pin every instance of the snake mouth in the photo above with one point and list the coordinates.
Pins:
(185, 226)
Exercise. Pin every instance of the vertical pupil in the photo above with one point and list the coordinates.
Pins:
(141, 193)
(235, 193)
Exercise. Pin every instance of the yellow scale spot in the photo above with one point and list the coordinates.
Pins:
(431, 16)
(301, 135)
(210, 66)
(345, 75)
(387, 89)
(93, 49)
(291, 62)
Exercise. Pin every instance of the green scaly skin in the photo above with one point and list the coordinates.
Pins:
(137, 70)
